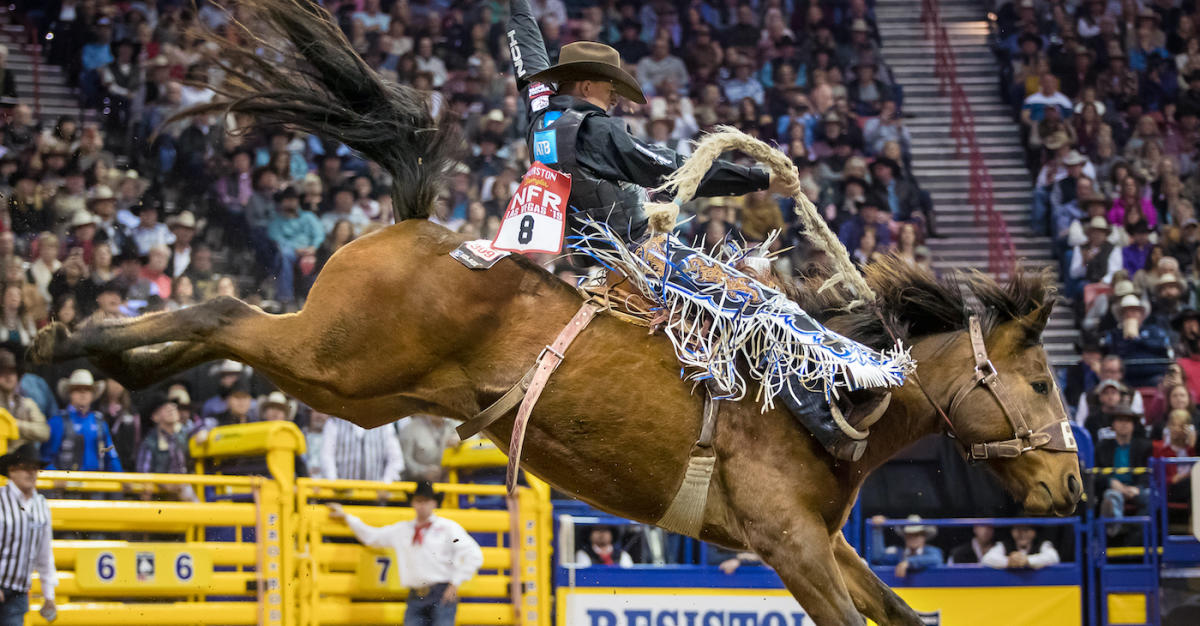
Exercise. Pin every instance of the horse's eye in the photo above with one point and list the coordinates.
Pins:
(1041, 388)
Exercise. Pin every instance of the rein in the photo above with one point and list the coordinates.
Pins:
(1053, 437)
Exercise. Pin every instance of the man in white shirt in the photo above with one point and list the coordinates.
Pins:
(1022, 550)
(25, 526)
(434, 556)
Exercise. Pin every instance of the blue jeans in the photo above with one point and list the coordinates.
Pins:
(285, 275)
(1040, 215)
(14, 608)
(427, 610)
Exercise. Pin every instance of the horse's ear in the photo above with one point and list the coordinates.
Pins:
(1035, 323)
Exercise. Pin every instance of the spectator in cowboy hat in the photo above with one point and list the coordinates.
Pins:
(183, 227)
(276, 407)
(26, 528)
(1144, 348)
(228, 373)
(79, 437)
(31, 422)
(916, 555)
(164, 450)
(1169, 296)
(1105, 312)
(81, 233)
(1126, 447)
(434, 556)
(1098, 259)
(1021, 549)
(239, 405)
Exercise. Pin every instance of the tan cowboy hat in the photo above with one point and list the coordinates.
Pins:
(180, 397)
(184, 219)
(590, 60)
(917, 528)
(1074, 158)
(1123, 288)
(227, 366)
(1168, 278)
(1057, 140)
(277, 398)
(81, 218)
(100, 193)
(79, 378)
(1132, 302)
(1099, 223)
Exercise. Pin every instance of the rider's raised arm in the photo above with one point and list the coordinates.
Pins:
(525, 44)
(613, 154)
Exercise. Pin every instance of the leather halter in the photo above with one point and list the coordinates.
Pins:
(1053, 437)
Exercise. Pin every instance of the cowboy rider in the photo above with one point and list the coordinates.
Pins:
(570, 130)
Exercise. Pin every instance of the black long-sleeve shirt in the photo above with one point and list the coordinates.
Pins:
(604, 146)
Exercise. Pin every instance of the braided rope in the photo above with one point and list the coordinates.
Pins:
(685, 180)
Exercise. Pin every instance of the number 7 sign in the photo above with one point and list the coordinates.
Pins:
(536, 218)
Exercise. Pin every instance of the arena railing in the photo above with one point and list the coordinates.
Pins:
(211, 549)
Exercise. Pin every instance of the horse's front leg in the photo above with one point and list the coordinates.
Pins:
(796, 544)
(873, 598)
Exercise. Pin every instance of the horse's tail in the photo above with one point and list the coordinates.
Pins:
(320, 84)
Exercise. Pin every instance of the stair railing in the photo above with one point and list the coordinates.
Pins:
(1001, 254)
(33, 46)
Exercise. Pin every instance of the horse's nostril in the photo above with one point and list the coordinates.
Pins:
(1073, 487)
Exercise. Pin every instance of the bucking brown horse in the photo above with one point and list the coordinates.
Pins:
(394, 326)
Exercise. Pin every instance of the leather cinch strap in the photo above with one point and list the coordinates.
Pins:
(528, 390)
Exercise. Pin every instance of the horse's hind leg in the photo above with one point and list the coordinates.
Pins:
(146, 349)
(110, 337)
(873, 598)
(141, 367)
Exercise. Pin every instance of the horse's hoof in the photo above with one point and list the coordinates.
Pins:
(49, 337)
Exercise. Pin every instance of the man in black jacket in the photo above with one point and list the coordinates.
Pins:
(570, 131)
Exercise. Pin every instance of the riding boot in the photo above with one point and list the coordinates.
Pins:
(814, 413)
(859, 410)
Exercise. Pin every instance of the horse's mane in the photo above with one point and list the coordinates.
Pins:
(913, 303)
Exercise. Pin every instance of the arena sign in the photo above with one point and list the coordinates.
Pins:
(680, 607)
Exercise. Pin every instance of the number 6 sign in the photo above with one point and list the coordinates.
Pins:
(536, 218)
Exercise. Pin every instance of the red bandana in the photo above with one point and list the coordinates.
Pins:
(419, 532)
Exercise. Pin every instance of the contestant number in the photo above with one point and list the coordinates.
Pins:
(385, 565)
(106, 567)
(144, 568)
(184, 569)
(376, 571)
(525, 232)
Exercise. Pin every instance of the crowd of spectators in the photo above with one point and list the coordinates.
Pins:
(85, 424)
(123, 211)
(126, 210)
(1107, 94)
(806, 76)
(1022, 547)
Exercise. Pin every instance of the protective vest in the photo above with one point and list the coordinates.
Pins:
(552, 141)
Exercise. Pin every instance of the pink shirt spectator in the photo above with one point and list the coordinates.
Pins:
(1116, 215)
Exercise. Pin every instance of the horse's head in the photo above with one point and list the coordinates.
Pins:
(1006, 410)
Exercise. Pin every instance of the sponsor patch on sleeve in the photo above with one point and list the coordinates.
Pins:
(539, 89)
(540, 103)
(545, 147)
